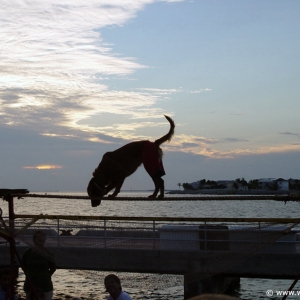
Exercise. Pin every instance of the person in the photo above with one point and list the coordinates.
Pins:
(4, 285)
(113, 286)
(39, 265)
(38, 294)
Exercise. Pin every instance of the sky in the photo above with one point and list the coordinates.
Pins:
(80, 78)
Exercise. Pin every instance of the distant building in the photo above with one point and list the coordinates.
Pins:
(278, 184)
(229, 184)
(282, 184)
(242, 187)
(266, 183)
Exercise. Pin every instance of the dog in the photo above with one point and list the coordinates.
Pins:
(66, 232)
(115, 166)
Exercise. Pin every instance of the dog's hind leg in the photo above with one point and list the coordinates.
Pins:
(159, 186)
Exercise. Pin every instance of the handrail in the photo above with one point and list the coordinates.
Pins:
(175, 219)
(181, 197)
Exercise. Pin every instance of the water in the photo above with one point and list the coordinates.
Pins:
(89, 285)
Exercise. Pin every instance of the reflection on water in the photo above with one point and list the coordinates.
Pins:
(89, 284)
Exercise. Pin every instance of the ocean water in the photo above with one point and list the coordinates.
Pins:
(89, 284)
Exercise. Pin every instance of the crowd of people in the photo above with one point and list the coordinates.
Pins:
(39, 265)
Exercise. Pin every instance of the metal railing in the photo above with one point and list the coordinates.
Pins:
(178, 234)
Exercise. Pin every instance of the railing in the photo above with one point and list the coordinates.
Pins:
(178, 234)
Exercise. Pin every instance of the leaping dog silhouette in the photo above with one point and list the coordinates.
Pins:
(115, 166)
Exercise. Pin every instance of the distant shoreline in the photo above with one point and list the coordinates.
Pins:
(230, 192)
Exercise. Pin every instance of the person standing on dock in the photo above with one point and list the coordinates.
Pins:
(113, 286)
(39, 265)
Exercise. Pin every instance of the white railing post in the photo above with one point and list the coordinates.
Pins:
(104, 233)
(58, 227)
(205, 236)
(153, 225)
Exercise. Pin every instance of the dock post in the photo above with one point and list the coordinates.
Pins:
(196, 284)
(11, 217)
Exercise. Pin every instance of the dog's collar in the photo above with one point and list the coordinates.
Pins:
(98, 185)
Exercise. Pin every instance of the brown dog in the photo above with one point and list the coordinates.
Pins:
(117, 165)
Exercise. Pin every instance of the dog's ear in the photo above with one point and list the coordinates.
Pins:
(94, 192)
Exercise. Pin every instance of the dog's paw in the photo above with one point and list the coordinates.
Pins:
(161, 197)
(152, 197)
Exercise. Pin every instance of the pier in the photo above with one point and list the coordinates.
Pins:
(211, 253)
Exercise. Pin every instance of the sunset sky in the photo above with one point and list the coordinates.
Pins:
(80, 78)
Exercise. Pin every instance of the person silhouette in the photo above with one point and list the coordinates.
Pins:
(113, 286)
(39, 265)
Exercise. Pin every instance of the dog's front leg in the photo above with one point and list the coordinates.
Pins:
(115, 185)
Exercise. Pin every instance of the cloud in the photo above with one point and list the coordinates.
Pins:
(290, 133)
(53, 66)
(200, 91)
(53, 60)
(238, 114)
(173, 91)
(168, 91)
(219, 149)
(234, 140)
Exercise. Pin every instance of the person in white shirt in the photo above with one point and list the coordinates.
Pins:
(113, 286)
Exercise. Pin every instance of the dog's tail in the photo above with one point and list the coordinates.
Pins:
(169, 135)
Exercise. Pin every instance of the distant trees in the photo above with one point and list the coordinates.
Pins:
(235, 185)
(294, 184)
(253, 184)
(241, 181)
(207, 184)
(187, 186)
(203, 184)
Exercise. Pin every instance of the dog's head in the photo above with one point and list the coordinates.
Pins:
(94, 190)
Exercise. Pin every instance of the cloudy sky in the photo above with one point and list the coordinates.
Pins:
(79, 78)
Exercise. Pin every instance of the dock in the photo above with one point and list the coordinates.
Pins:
(211, 253)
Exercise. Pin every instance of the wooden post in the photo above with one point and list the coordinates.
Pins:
(11, 217)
